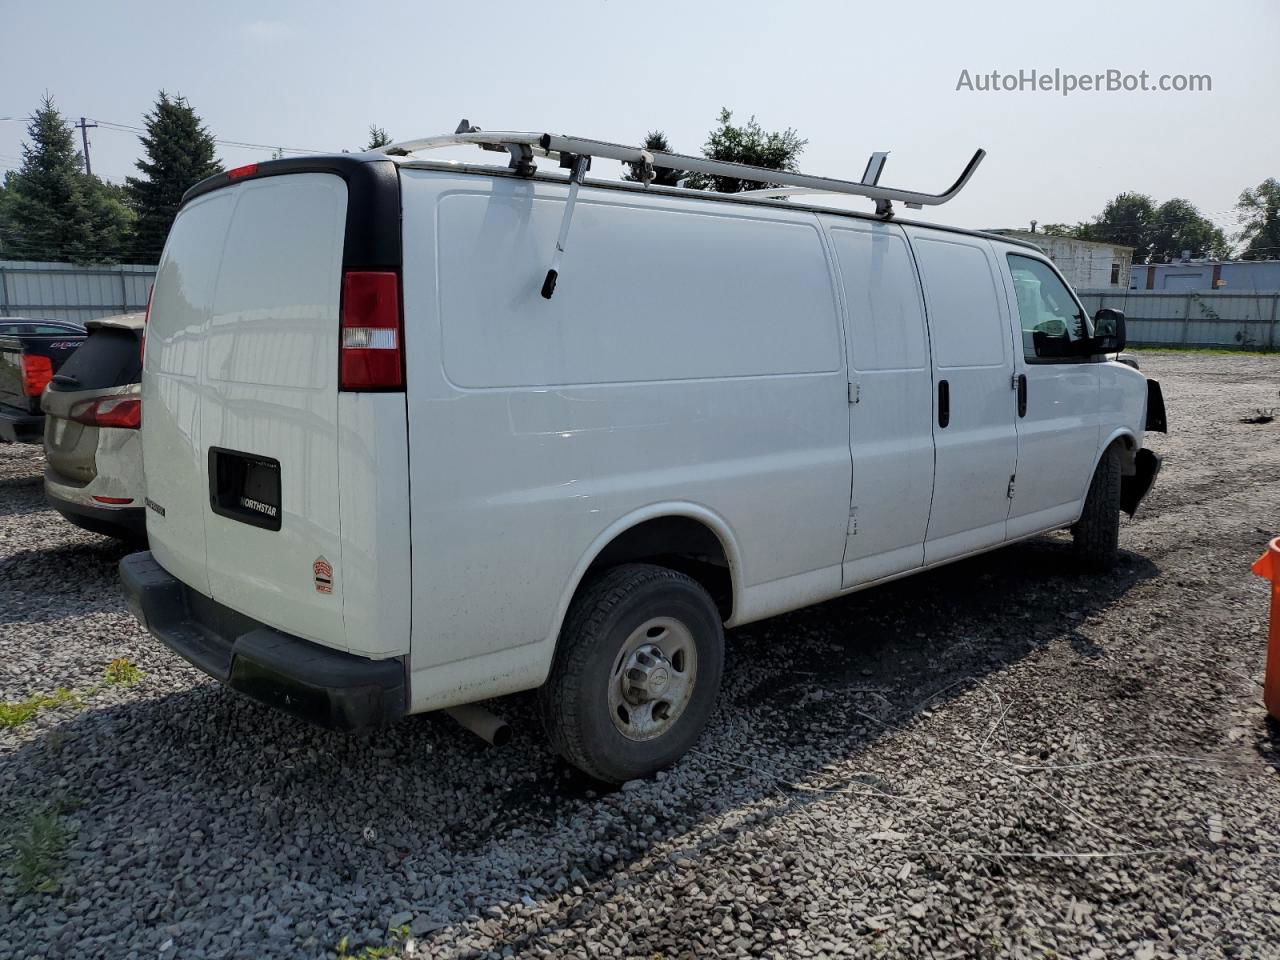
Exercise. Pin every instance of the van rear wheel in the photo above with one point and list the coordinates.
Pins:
(636, 672)
(1096, 535)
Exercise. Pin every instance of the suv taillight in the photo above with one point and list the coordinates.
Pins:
(124, 412)
(36, 373)
(371, 349)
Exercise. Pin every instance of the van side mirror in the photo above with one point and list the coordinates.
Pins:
(1108, 330)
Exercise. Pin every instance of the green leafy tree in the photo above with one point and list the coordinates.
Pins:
(1126, 220)
(179, 153)
(1179, 227)
(747, 143)
(1157, 233)
(655, 140)
(1259, 208)
(377, 137)
(52, 209)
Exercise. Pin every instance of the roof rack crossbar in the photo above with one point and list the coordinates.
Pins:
(555, 145)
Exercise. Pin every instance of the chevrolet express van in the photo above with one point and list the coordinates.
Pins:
(388, 472)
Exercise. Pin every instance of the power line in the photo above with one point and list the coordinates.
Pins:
(131, 128)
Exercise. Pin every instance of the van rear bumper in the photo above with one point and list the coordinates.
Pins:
(326, 687)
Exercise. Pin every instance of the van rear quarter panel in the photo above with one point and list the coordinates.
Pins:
(689, 356)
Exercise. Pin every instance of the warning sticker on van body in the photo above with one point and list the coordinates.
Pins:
(322, 571)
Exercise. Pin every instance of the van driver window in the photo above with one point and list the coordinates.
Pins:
(1052, 323)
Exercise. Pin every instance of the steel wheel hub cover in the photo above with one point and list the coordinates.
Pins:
(652, 679)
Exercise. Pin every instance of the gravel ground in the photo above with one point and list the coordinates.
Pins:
(1002, 758)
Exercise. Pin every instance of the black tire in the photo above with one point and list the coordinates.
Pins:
(1096, 534)
(575, 699)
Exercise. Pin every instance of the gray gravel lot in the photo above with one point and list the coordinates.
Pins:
(1000, 758)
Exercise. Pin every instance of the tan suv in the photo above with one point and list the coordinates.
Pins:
(93, 456)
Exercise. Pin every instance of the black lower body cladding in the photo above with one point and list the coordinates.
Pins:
(128, 523)
(326, 687)
(18, 426)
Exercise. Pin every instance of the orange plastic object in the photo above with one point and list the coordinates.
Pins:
(1268, 565)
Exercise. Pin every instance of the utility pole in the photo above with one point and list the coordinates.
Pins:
(84, 127)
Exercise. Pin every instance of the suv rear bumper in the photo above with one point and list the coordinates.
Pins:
(325, 687)
(123, 523)
(19, 426)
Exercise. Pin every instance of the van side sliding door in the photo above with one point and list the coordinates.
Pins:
(975, 439)
(890, 406)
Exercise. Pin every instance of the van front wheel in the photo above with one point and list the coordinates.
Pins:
(636, 672)
(1096, 534)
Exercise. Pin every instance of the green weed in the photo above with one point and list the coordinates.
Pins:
(120, 672)
(398, 936)
(38, 847)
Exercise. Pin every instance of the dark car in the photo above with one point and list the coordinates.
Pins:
(31, 352)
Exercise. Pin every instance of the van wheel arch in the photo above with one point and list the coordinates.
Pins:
(1128, 447)
(688, 539)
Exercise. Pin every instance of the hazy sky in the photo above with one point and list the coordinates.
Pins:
(852, 78)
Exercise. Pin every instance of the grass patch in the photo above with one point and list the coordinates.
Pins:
(17, 712)
(38, 848)
(120, 672)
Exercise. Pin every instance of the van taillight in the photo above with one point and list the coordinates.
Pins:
(370, 353)
(36, 373)
(124, 412)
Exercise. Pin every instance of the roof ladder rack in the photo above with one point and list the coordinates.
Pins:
(575, 153)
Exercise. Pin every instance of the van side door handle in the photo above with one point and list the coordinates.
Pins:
(1022, 394)
(944, 403)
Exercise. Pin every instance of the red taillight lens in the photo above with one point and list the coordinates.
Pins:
(238, 173)
(370, 352)
(36, 374)
(124, 412)
(114, 501)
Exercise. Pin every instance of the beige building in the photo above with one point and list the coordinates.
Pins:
(1086, 265)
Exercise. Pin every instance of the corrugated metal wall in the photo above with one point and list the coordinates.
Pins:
(1199, 318)
(67, 291)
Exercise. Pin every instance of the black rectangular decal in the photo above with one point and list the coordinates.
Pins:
(245, 487)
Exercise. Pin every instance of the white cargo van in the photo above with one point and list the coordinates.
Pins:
(394, 464)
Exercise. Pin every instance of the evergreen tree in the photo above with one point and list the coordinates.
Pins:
(52, 209)
(656, 140)
(377, 137)
(179, 153)
(747, 143)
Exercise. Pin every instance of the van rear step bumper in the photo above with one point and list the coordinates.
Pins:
(326, 687)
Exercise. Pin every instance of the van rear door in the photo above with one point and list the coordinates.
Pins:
(242, 414)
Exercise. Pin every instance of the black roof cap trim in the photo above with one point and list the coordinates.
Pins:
(373, 202)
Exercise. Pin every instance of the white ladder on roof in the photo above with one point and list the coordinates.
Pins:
(575, 153)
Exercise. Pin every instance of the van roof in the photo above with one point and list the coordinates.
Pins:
(345, 165)
(555, 176)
